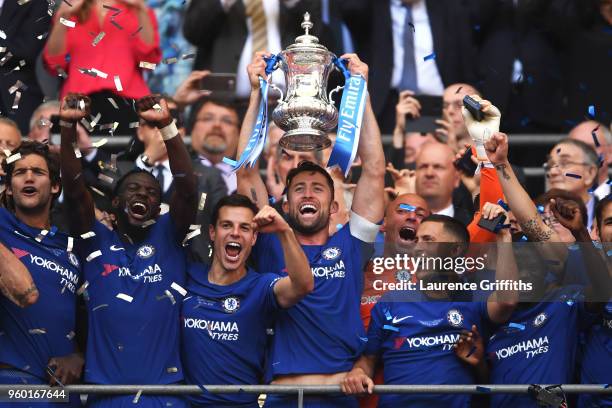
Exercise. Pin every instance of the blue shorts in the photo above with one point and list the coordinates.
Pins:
(144, 401)
(14, 376)
(319, 401)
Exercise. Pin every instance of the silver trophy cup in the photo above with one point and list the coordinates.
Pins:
(306, 113)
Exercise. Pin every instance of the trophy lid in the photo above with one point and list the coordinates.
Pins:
(307, 41)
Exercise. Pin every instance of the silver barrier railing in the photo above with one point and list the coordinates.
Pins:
(301, 390)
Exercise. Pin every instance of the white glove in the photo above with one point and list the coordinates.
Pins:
(482, 131)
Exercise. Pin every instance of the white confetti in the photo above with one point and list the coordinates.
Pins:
(170, 296)
(95, 121)
(99, 307)
(100, 143)
(43, 234)
(125, 297)
(67, 23)
(93, 255)
(95, 190)
(178, 288)
(13, 158)
(112, 102)
(191, 235)
(171, 370)
(70, 335)
(147, 223)
(99, 73)
(134, 125)
(146, 65)
(202, 202)
(163, 208)
(193, 227)
(18, 85)
(37, 331)
(118, 83)
(17, 99)
(2, 49)
(77, 151)
(7, 57)
(111, 126)
(105, 178)
(88, 235)
(2, 35)
(22, 2)
(137, 397)
(157, 107)
(170, 61)
(70, 244)
(81, 104)
(98, 38)
(6, 152)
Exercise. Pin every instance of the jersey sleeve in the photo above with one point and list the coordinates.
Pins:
(375, 330)
(490, 192)
(265, 254)
(362, 229)
(267, 283)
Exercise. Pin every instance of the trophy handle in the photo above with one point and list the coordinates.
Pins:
(276, 88)
(331, 93)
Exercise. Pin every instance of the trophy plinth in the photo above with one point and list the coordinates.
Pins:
(306, 113)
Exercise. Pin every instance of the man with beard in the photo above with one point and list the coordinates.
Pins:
(214, 134)
(37, 344)
(230, 306)
(412, 332)
(317, 340)
(134, 273)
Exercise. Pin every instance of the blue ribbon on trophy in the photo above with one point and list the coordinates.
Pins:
(350, 116)
(257, 140)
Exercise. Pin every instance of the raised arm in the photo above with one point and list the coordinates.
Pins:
(183, 204)
(290, 289)
(79, 202)
(501, 304)
(16, 283)
(250, 182)
(368, 201)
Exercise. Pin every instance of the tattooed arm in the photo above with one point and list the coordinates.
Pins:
(16, 284)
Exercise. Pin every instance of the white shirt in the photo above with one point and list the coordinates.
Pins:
(450, 211)
(272, 11)
(428, 77)
(155, 171)
(231, 182)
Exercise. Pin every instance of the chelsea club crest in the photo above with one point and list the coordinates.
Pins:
(230, 304)
(454, 317)
(145, 251)
(73, 259)
(539, 320)
(331, 253)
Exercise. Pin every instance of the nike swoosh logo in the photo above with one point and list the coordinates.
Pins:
(114, 248)
(396, 320)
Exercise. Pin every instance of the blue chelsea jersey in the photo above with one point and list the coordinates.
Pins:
(537, 346)
(415, 342)
(133, 295)
(30, 336)
(323, 333)
(223, 339)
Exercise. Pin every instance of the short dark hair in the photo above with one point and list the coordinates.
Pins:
(309, 167)
(553, 193)
(451, 225)
(599, 209)
(121, 180)
(27, 148)
(228, 102)
(232, 200)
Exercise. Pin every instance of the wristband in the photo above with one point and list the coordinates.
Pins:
(169, 131)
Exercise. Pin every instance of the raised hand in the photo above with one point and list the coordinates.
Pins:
(404, 180)
(356, 66)
(497, 148)
(407, 105)
(268, 220)
(154, 109)
(189, 92)
(74, 107)
(481, 131)
(470, 348)
(256, 69)
(568, 213)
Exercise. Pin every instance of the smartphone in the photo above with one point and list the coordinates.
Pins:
(219, 83)
(492, 224)
(465, 163)
(431, 110)
(473, 107)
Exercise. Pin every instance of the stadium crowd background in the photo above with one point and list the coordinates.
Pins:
(86, 69)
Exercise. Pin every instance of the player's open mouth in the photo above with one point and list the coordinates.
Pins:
(29, 191)
(232, 250)
(138, 209)
(308, 209)
(407, 234)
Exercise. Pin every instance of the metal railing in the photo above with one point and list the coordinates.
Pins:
(302, 390)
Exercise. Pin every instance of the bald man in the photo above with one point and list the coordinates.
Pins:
(584, 132)
(436, 178)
